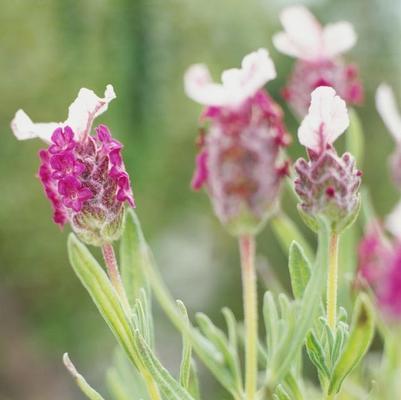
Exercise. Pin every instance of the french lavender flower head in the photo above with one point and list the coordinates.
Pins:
(326, 183)
(239, 151)
(83, 176)
(317, 50)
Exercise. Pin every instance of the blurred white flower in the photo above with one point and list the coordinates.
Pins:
(387, 108)
(305, 38)
(238, 84)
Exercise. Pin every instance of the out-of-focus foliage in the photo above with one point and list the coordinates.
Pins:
(51, 48)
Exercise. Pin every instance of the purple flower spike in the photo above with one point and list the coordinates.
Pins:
(239, 154)
(83, 176)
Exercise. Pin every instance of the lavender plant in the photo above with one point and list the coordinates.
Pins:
(241, 164)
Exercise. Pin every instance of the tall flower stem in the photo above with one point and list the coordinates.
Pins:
(115, 278)
(332, 281)
(247, 250)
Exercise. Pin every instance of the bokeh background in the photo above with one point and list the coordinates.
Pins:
(51, 48)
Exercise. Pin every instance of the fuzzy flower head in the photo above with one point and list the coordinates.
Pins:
(317, 49)
(239, 149)
(326, 183)
(83, 176)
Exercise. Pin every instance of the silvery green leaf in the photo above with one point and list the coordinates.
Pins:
(341, 337)
(185, 367)
(218, 338)
(293, 387)
(290, 348)
(281, 393)
(271, 321)
(317, 355)
(86, 389)
(142, 317)
(361, 335)
(96, 282)
(124, 382)
(205, 350)
(231, 329)
(193, 387)
(300, 270)
(133, 254)
(170, 388)
(287, 232)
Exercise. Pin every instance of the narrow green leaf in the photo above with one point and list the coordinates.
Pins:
(361, 335)
(354, 137)
(293, 341)
(300, 270)
(287, 232)
(133, 254)
(124, 381)
(170, 388)
(217, 337)
(316, 355)
(293, 386)
(231, 328)
(194, 388)
(86, 389)
(281, 393)
(185, 367)
(203, 348)
(96, 282)
(271, 320)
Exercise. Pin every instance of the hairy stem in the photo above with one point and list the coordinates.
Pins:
(115, 278)
(332, 281)
(247, 249)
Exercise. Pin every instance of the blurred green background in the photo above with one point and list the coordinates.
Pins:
(51, 48)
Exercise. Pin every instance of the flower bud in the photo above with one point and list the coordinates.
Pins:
(326, 184)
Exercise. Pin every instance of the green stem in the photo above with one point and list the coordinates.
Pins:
(332, 281)
(115, 279)
(247, 249)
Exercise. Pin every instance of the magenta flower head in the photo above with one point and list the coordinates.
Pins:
(326, 183)
(380, 269)
(317, 50)
(239, 156)
(83, 176)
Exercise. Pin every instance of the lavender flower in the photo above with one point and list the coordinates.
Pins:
(326, 184)
(317, 50)
(239, 155)
(83, 176)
